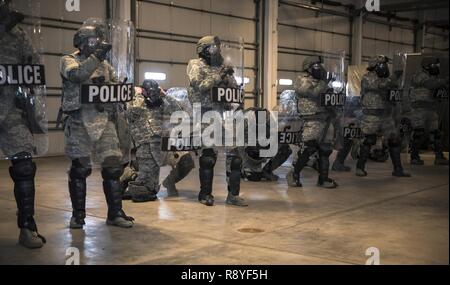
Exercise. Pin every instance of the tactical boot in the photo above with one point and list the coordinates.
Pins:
(169, 184)
(236, 200)
(440, 159)
(31, 239)
(113, 195)
(141, 194)
(293, 179)
(324, 166)
(340, 167)
(395, 154)
(268, 174)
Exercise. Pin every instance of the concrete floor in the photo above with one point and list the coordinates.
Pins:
(406, 219)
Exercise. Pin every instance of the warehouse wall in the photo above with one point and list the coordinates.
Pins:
(169, 30)
(303, 32)
(58, 28)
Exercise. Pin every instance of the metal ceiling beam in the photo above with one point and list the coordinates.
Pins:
(415, 6)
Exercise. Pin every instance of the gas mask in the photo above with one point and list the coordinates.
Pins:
(212, 54)
(91, 45)
(382, 70)
(152, 94)
(318, 72)
(434, 69)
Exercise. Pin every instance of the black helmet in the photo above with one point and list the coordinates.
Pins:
(379, 64)
(84, 33)
(314, 66)
(431, 65)
(152, 93)
(208, 48)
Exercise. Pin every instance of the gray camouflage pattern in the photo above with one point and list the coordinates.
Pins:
(380, 117)
(15, 136)
(424, 113)
(91, 130)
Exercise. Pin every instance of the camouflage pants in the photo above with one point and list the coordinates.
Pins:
(15, 137)
(79, 144)
(422, 118)
(318, 128)
(379, 125)
(148, 157)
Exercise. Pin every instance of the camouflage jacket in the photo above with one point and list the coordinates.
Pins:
(147, 123)
(423, 86)
(374, 91)
(309, 91)
(77, 70)
(16, 48)
(202, 78)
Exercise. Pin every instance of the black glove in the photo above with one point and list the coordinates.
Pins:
(102, 51)
(226, 70)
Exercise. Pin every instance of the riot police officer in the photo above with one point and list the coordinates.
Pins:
(424, 115)
(17, 137)
(204, 73)
(379, 116)
(317, 132)
(91, 130)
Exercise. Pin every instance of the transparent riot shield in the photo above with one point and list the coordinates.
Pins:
(23, 119)
(428, 99)
(334, 64)
(398, 97)
(289, 122)
(217, 106)
(177, 125)
(101, 130)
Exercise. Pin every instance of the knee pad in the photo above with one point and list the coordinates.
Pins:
(186, 162)
(207, 162)
(394, 142)
(235, 163)
(325, 150)
(112, 162)
(370, 140)
(112, 173)
(22, 170)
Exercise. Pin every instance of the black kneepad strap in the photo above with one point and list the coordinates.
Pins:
(22, 170)
(207, 162)
(77, 171)
(186, 162)
(236, 163)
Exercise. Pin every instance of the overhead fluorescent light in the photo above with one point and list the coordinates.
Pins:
(286, 82)
(155, 76)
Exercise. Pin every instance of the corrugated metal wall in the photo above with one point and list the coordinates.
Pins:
(168, 31)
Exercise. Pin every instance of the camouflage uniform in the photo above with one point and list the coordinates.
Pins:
(15, 136)
(350, 117)
(17, 142)
(204, 73)
(93, 132)
(424, 116)
(380, 117)
(318, 132)
(146, 130)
